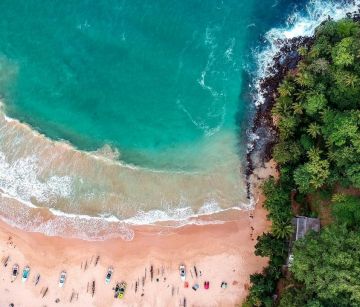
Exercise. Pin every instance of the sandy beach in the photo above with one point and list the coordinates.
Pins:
(220, 253)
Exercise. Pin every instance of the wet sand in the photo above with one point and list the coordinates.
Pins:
(53, 174)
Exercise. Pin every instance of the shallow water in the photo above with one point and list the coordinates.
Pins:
(146, 100)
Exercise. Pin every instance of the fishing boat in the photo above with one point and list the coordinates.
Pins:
(15, 272)
(182, 271)
(26, 273)
(109, 275)
(62, 279)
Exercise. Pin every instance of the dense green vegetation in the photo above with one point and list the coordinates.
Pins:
(318, 121)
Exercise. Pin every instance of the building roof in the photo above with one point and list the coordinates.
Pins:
(303, 225)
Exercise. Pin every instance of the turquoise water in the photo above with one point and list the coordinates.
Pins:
(169, 85)
(145, 77)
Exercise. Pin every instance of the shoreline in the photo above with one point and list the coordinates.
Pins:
(45, 173)
(263, 134)
(230, 258)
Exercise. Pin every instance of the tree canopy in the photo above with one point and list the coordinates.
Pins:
(317, 112)
(329, 265)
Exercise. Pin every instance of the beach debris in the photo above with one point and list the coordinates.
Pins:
(186, 284)
(143, 281)
(195, 287)
(74, 295)
(120, 289)
(206, 285)
(109, 275)
(172, 290)
(44, 291)
(157, 279)
(136, 286)
(57, 300)
(97, 260)
(5, 260)
(37, 279)
(86, 265)
(182, 271)
(11, 305)
(223, 285)
(15, 272)
(151, 273)
(93, 288)
(92, 258)
(62, 279)
(26, 273)
(195, 270)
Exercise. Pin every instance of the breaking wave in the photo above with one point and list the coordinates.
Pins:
(299, 23)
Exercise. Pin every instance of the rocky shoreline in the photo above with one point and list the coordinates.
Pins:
(263, 132)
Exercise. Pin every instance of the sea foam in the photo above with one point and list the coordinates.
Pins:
(299, 23)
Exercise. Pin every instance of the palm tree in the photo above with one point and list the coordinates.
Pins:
(314, 154)
(314, 130)
(282, 230)
(298, 108)
(286, 88)
(320, 66)
(300, 95)
(304, 78)
(351, 80)
(282, 106)
(303, 51)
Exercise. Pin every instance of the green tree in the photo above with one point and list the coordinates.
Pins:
(304, 78)
(269, 246)
(342, 53)
(314, 130)
(313, 174)
(315, 103)
(346, 210)
(287, 126)
(286, 152)
(277, 200)
(351, 80)
(298, 108)
(286, 88)
(282, 229)
(353, 173)
(329, 265)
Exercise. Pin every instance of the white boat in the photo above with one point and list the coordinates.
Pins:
(109, 275)
(26, 273)
(182, 271)
(62, 279)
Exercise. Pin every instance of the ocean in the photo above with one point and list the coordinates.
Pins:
(119, 113)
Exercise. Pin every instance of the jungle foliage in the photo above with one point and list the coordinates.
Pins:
(318, 122)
